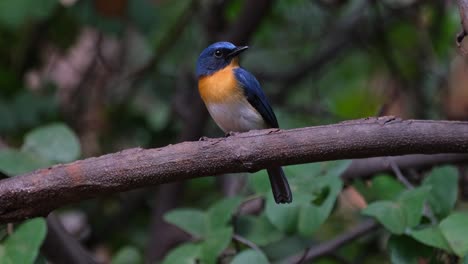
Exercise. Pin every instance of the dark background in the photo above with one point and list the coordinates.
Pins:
(120, 74)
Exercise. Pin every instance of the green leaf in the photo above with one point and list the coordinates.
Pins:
(24, 244)
(214, 244)
(382, 187)
(314, 198)
(284, 216)
(287, 246)
(126, 255)
(455, 230)
(14, 162)
(431, 236)
(314, 214)
(190, 220)
(389, 214)
(405, 250)
(187, 253)
(412, 204)
(55, 142)
(250, 256)
(259, 182)
(385, 187)
(464, 260)
(405, 212)
(444, 192)
(221, 212)
(40, 260)
(258, 230)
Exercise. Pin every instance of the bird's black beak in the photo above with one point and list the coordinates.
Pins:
(237, 51)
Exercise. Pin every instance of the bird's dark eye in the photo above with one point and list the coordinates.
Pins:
(218, 54)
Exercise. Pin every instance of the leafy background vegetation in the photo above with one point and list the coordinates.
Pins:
(83, 78)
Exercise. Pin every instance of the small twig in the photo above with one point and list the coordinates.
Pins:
(61, 247)
(9, 229)
(100, 56)
(363, 169)
(427, 209)
(330, 48)
(396, 170)
(331, 246)
(246, 242)
(172, 35)
(252, 206)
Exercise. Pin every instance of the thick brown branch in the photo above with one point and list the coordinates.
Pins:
(41, 191)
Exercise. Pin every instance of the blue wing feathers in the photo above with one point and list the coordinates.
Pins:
(255, 96)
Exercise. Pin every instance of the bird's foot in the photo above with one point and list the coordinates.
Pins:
(230, 134)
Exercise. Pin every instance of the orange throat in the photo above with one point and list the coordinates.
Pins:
(221, 86)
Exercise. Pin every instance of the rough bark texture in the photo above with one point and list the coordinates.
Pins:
(39, 192)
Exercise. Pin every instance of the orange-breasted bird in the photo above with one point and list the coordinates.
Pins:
(236, 102)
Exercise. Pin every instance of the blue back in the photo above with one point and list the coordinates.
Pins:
(255, 96)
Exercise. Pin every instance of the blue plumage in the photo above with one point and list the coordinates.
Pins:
(255, 96)
(208, 63)
(235, 100)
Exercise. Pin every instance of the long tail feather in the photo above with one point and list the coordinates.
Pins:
(279, 185)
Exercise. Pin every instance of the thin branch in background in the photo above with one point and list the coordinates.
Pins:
(213, 18)
(334, 45)
(10, 229)
(396, 170)
(78, 98)
(251, 16)
(37, 33)
(246, 242)
(173, 33)
(380, 27)
(427, 209)
(108, 66)
(61, 247)
(331, 246)
(363, 169)
(253, 206)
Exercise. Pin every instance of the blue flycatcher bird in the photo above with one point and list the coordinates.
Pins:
(236, 101)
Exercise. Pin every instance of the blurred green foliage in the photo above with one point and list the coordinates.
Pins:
(42, 147)
(23, 245)
(54, 110)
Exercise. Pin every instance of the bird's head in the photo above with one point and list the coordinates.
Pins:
(216, 57)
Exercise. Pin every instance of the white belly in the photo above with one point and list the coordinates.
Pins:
(236, 116)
